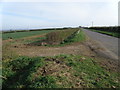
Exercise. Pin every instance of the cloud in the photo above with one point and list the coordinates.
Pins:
(21, 23)
(57, 14)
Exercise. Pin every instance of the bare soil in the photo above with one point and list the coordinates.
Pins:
(79, 48)
(76, 48)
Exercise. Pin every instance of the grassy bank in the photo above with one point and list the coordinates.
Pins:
(63, 71)
(114, 34)
(78, 36)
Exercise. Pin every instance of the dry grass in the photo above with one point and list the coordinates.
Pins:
(59, 36)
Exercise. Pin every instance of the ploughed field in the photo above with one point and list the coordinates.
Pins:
(54, 59)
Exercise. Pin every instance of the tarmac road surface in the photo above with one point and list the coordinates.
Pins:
(109, 42)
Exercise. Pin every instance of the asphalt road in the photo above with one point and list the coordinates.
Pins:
(109, 42)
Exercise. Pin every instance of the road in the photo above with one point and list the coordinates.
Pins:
(109, 42)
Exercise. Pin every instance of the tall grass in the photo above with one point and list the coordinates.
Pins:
(59, 36)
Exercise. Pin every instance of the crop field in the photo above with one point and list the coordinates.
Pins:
(16, 35)
(54, 59)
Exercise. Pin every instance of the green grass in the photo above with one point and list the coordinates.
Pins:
(25, 72)
(78, 36)
(114, 34)
(89, 71)
(17, 35)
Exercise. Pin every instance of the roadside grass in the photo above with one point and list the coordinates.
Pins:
(63, 71)
(78, 36)
(17, 35)
(114, 34)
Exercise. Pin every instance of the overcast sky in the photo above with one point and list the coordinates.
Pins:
(26, 14)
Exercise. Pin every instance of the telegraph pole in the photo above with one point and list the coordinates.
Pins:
(119, 13)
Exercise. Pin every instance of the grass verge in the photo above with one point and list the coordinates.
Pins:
(78, 36)
(114, 34)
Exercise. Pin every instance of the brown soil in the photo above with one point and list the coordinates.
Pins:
(32, 37)
(25, 38)
(57, 68)
(76, 49)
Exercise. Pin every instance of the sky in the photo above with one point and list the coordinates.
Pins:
(35, 14)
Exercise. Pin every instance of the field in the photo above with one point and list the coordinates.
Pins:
(54, 59)
(16, 35)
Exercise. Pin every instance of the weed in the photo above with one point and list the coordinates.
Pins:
(58, 37)
(76, 71)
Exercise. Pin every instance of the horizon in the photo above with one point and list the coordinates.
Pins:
(54, 28)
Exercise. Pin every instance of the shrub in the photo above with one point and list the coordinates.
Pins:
(59, 36)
